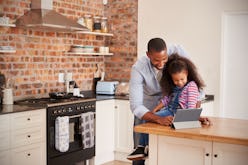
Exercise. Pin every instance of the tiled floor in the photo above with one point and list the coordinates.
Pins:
(117, 163)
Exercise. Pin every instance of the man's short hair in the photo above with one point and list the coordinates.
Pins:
(156, 44)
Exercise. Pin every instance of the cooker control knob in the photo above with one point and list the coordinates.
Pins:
(55, 112)
(59, 111)
(78, 108)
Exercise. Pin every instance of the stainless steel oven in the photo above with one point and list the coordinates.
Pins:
(77, 151)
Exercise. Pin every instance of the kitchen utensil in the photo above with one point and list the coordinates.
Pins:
(122, 89)
(60, 95)
(7, 96)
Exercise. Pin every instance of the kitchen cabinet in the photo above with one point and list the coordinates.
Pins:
(199, 152)
(224, 142)
(23, 138)
(114, 131)
(105, 122)
(123, 130)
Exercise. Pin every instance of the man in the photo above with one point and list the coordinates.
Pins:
(145, 92)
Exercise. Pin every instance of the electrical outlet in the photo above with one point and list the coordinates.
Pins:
(105, 2)
(61, 78)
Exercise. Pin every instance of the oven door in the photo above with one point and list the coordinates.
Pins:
(78, 151)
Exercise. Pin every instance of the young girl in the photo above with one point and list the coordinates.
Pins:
(181, 85)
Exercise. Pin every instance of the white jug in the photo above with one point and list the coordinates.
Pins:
(8, 96)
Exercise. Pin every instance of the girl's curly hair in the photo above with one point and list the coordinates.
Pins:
(175, 64)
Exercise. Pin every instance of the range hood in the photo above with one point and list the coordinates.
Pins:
(43, 17)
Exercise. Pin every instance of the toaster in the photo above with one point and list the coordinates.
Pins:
(106, 87)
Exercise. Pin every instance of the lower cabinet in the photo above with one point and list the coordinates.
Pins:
(23, 139)
(172, 150)
(29, 155)
(105, 122)
(114, 131)
(123, 130)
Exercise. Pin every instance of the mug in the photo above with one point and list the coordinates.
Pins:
(76, 91)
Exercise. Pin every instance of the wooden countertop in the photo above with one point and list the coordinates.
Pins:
(222, 130)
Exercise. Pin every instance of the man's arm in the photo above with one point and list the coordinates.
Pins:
(151, 117)
(137, 104)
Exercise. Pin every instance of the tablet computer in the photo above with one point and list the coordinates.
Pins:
(187, 118)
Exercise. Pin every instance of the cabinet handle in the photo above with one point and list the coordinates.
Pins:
(29, 136)
(207, 154)
(28, 119)
(215, 155)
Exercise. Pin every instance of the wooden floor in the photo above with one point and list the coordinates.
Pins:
(117, 163)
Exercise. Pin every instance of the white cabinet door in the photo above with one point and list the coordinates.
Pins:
(29, 155)
(172, 150)
(104, 131)
(229, 154)
(5, 157)
(123, 130)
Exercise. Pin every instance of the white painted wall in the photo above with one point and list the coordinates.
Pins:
(195, 24)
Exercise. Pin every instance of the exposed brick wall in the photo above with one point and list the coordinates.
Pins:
(124, 18)
(40, 55)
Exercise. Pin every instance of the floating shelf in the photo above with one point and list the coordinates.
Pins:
(7, 51)
(95, 33)
(8, 25)
(100, 54)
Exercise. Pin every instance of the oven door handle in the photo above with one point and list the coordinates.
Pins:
(74, 116)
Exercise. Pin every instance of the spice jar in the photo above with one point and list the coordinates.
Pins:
(88, 22)
(104, 25)
(97, 24)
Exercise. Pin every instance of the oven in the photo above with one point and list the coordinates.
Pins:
(78, 152)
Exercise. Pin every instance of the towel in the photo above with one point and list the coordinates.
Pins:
(62, 133)
(88, 129)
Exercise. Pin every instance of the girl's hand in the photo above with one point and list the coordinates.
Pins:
(205, 121)
(155, 110)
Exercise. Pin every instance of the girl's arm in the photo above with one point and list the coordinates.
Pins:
(158, 107)
(192, 95)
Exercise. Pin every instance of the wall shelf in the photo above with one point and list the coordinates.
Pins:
(8, 25)
(7, 51)
(95, 33)
(79, 53)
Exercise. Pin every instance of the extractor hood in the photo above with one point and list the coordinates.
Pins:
(43, 17)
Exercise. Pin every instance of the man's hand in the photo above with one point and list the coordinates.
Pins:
(150, 117)
(205, 121)
(165, 120)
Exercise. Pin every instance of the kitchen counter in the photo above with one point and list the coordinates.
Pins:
(223, 130)
(4, 109)
(224, 142)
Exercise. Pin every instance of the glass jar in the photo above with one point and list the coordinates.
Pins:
(104, 25)
(88, 22)
(97, 24)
